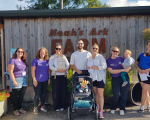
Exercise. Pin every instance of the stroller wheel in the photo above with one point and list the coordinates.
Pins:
(69, 113)
(96, 113)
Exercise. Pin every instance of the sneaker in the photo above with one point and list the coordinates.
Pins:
(22, 111)
(148, 108)
(86, 90)
(57, 110)
(124, 84)
(16, 113)
(121, 112)
(101, 114)
(43, 108)
(112, 111)
(80, 90)
(61, 109)
(141, 109)
(36, 111)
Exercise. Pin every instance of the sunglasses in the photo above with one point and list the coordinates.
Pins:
(80, 43)
(95, 48)
(58, 48)
(20, 51)
(115, 51)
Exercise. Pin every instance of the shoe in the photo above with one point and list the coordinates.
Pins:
(148, 108)
(61, 109)
(141, 109)
(36, 111)
(112, 111)
(57, 110)
(101, 114)
(80, 90)
(86, 90)
(121, 112)
(43, 108)
(124, 84)
(22, 111)
(16, 113)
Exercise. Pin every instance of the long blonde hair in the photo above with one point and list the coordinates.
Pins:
(46, 57)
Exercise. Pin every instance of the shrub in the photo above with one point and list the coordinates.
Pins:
(4, 94)
(146, 33)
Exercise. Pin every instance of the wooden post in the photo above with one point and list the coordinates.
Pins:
(2, 58)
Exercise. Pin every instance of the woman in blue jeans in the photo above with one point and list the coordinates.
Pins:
(18, 79)
(41, 78)
(115, 68)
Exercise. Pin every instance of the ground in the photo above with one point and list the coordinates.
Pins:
(131, 114)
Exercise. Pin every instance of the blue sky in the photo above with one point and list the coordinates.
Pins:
(11, 4)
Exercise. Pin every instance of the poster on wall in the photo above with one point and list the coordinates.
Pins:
(12, 51)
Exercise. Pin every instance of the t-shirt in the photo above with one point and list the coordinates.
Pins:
(41, 71)
(79, 59)
(19, 67)
(115, 64)
(144, 61)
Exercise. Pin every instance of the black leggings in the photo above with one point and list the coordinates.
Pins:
(59, 86)
(17, 97)
(40, 92)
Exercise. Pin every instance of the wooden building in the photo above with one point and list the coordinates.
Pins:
(32, 29)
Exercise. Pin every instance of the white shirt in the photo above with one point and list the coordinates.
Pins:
(79, 59)
(100, 62)
(53, 66)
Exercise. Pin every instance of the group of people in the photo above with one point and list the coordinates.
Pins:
(43, 68)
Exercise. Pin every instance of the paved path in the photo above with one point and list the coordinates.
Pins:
(131, 114)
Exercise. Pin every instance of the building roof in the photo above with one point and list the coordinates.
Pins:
(137, 10)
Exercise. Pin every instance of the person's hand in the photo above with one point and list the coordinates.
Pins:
(64, 70)
(35, 83)
(140, 71)
(60, 70)
(145, 71)
(79, 72)
(15, 83)
(87, 68)
(122, 64)
(93, 67)
(48, 81)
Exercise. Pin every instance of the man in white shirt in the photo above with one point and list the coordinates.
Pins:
(79, 58)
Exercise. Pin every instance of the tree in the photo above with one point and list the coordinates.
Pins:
(56, 4)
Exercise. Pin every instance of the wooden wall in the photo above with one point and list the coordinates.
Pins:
(31, 34)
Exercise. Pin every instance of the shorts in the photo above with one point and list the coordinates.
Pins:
(21, 81)
(146, 82)
(98, 84)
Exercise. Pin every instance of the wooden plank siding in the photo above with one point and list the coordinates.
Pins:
(31, 34)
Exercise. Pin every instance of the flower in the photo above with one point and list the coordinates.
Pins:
(4, 94)
(146, 33)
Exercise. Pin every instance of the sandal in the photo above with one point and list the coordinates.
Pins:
(22, 111)
(16, 113)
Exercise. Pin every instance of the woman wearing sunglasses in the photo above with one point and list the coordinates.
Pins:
(98, 74)
(41, 78)
(18, 79)
(59, 82)
(115, 68)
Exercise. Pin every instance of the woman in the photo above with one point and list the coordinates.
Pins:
(115, 68)
(143, 66)
(18, 79)
(41, 78)
(98, 74)
(59, 82)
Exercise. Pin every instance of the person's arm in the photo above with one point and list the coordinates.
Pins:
(33, 68)
(137, 67)
(116, 71)
(10, 70)
(72, 62)
(103, 65)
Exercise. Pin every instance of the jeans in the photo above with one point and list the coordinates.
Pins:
(118, 89)
(40, 92)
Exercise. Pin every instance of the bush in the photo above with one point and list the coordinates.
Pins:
(146, 34)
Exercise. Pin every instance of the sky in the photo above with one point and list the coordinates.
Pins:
(11, 4)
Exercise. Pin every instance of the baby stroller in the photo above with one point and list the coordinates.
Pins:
(82, 103)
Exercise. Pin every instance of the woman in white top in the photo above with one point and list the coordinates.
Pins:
(97, 68)
(59, 81)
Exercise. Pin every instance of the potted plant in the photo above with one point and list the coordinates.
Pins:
(146, 34)
(4, 94)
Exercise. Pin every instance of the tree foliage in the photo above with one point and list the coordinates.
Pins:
(56, 4)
